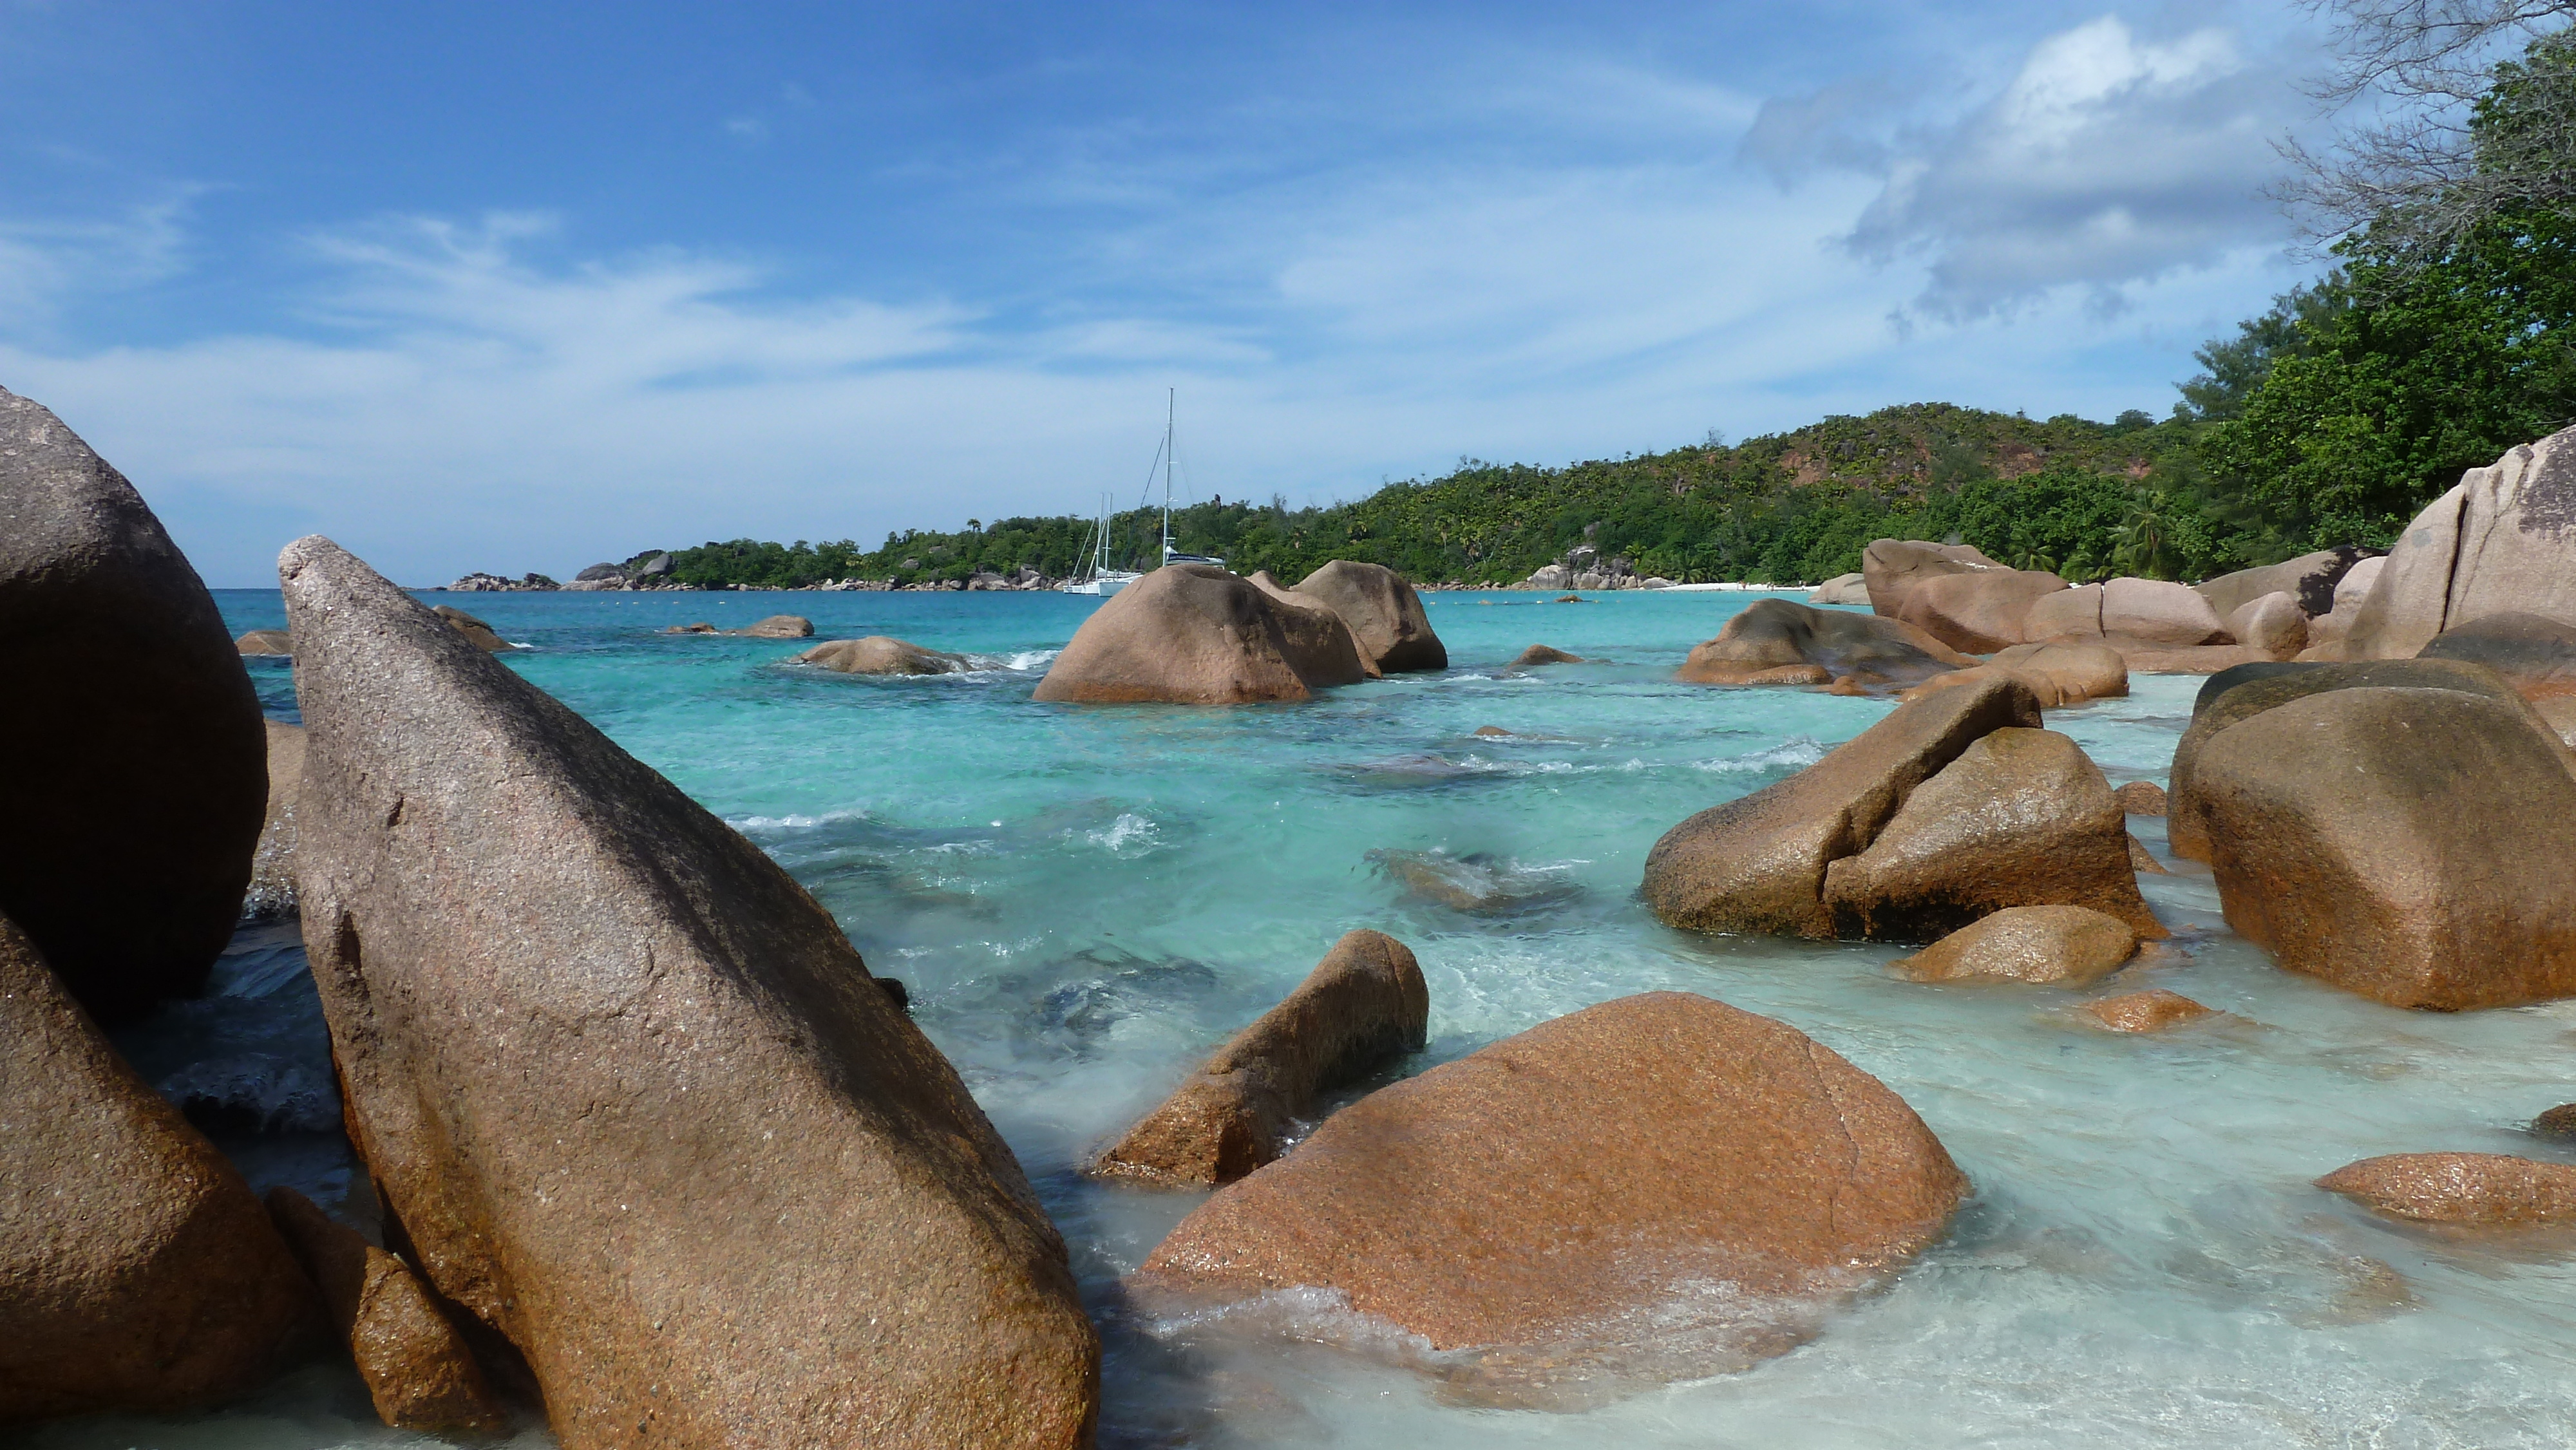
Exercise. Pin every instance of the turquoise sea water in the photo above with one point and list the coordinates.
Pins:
(1086, 900)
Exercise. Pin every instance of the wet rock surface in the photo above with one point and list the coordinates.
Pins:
(545, 965)
(2026, 944)
(2471, 1190)
(417, 1367)
(1482, 1205)
(2152, 1010)
(1362, 1007)
(879, 654)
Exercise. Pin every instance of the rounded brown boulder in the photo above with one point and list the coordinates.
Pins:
(635, 1101)
(1188, 634)
(1364, 1005)
(2272, 624)
(1321, 647)
(1384, 614)
(1892, 569)
(135, 784)
(1758, 863)
(2406, 844)
(2026, 944)
(781, 626)
(137, 1272)
(1775, 641)
(880, 654)
(1980, 612)
(2152, 1010)
(1608, 1168)
(418, 1369)
(2534, 653)
(2141, 798)
(2022, 818)
(1540, 654)
(2474, 1190)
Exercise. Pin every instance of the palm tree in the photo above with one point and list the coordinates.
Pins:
(2142, 544)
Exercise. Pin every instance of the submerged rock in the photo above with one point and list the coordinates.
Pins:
(272, 872)
(417, 1367)
(2021, 818)
(1477, 883)
(880, 654)
(2473, 1190)
(632, 1097)
(2502, 541)
(1185, 634)
(781, 626)
(2405, 844)
(1539, 654)
(137, 1272)
(134, 785)
(265, 642)
(2026, 944)
(1662, 1176)
(481, 635)
(1772, 641)
(1363, 1006)
(1758, 863)
(2152, 1010)
(1384, 614)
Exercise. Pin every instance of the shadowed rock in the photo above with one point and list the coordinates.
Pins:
(272, 873)
(2473, 1190)
(2021, 818)
(2502, 541)
(2405, 844)
(2535, 654)
(2208, 659)
(880, 654)
(2152, 1010)
(1539, 654)
(417, 1367)
(265, 642)
(781, 626)
(1363, 1006)
(1321, 648)
(2058, 673)
(2239, 694)
(2557, 1122)
(134, 786)
(701, 627)
(137, 1272)
(1772, 641)
(1185, 634)
(1649, 1174)
(481, 635)
(2311, 581)
(1757, 864)
(1384, 614)
(2026, 944)
(631, 1096)
(2144, 861)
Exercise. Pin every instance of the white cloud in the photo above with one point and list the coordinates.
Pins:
(2107, 159)
(46, 264)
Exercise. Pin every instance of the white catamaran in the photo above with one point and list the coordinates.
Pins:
(1103, 581)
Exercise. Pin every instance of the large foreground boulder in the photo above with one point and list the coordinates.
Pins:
(1771, 638)
(1185, 634)
(134, 785)
(1384, 614)
(418, 1368)
(1650, 1161)
(1363, 1006)
(2310, 580)
(2502, 541)
(2476, 1190)
(1757, 864)
(2245, 691)
(627, 1091)
(2021, 818)
(2406, 844)
(137, 1272)
(880, 654)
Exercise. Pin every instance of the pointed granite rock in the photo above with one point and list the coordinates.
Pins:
(627, 1090)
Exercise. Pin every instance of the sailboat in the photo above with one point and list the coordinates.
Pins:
(1103, 581)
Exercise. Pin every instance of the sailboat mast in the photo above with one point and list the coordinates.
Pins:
(1171, 409)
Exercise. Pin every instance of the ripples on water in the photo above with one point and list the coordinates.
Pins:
(1086, 901)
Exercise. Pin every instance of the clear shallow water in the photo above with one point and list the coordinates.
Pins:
(1085, 901)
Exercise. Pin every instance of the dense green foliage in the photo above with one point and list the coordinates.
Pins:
(2328, 420)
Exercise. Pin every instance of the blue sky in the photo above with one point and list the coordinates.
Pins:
(480, 287)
